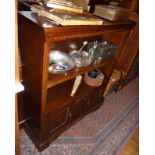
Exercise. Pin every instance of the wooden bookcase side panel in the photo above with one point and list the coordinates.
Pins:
(32, 70)
(131, 49)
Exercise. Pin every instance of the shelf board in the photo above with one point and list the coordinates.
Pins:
(55, 79)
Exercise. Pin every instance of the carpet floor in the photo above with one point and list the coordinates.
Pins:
(102, 132)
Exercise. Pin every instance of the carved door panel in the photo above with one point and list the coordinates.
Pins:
(94, 99)
(56, 121)
(77, 108)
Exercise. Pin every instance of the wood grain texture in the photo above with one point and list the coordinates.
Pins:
(17, 75)
(17, 137)
(132, 146)
(132, 5)
(17, 79)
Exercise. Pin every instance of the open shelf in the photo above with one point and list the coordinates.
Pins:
(55, 79)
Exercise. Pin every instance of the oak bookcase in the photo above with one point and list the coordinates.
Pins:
(48, 106)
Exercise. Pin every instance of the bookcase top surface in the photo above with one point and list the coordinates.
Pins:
(47, 24)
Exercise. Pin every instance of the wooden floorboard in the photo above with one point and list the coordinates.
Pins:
(132, 146)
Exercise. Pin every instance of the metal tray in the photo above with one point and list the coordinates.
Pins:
(60, 62)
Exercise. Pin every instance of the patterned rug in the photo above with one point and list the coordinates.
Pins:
(102, 132)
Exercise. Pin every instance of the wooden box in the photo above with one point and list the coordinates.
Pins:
(111, 12)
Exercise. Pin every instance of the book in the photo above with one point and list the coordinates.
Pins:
(66, 18)
(64, 5)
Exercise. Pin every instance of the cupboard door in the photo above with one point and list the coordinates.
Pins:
(77, 108)
(94, 99)
(56, 121)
